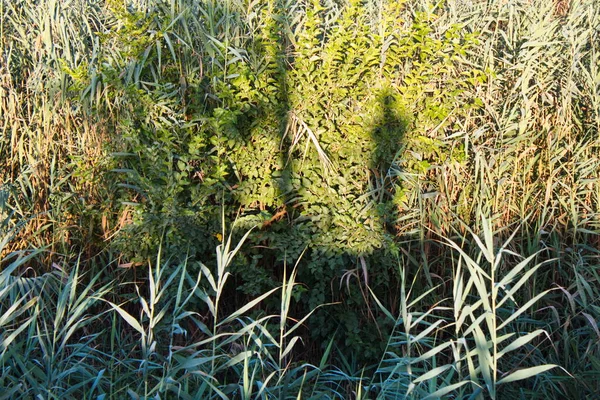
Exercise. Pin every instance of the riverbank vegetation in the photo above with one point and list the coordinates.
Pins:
(299, 199)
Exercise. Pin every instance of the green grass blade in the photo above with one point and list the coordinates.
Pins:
(526, 373)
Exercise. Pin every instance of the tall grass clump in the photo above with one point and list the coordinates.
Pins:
(52, 345)
(49, 343)
(52, 146)
(157, 345)
(467, 346)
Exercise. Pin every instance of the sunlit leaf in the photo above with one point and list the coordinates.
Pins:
(526, 373)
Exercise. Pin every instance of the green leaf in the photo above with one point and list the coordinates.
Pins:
(433, 352)
(128, 318)
(433, 373)
(524, 308)
(247, 307)
(438, 394)
(526, 373)
(521, 341)
(513, 272)
(290, 346)
(381, 306)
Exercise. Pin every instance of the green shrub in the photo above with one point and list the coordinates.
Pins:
(293, 121)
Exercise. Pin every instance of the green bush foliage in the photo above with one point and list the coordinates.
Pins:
(291, 125)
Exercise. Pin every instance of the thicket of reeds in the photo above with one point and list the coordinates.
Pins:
(299, 199)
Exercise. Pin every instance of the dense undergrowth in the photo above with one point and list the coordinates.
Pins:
(403, 197)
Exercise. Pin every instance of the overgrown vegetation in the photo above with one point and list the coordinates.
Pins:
(402, 196)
